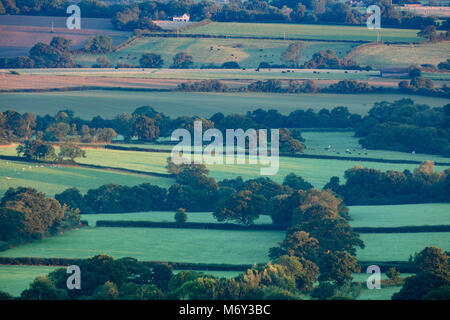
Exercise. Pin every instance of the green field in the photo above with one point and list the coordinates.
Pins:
(399, 246)
(109, 103)
(381, 294)
(361, 216)
(248, 53)
(207, 246)
(304, 31)
(181, 245)
(317, 143)
(395, 55)
(51, 180)
(316, 171)
(15, 279)
(400, 215)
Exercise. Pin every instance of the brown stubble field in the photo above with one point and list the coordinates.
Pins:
(20, 33)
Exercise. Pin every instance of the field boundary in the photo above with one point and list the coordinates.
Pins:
(401, 266)
(256, 227)
(223, 36)
(187, 225)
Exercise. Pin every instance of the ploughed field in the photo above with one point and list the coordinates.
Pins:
(21, 33)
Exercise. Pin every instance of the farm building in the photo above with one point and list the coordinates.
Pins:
(184, 18)
(394, 72)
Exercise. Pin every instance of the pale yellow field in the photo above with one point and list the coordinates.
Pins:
(402, 55)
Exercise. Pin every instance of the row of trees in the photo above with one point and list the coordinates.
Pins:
(140, 15)
(405, 126)
(366, 186)
(401, 125)
(417, 85)
(180, 61)
(39, 150)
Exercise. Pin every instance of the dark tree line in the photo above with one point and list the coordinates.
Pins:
(405, 126)
(366, 186)
(141, 15)
(401, 125)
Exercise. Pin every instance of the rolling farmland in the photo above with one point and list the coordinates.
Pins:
(316, 171)
(108, 92)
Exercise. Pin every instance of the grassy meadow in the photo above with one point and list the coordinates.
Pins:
(109, 103)
(317, 171)
(248, 53)
(207, 246)
(317, 143)
(55, 179)
(399, 246)
(305, 31)
(400, 215)
(402, 55)
(180, 245)
(15, 279)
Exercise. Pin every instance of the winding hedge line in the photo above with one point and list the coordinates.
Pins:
(224, 36)
(256, 227)
(187, 225)
(401, 266)
(406, 229)
(63, 262)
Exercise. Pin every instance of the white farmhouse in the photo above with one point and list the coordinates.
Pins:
(184, 18)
